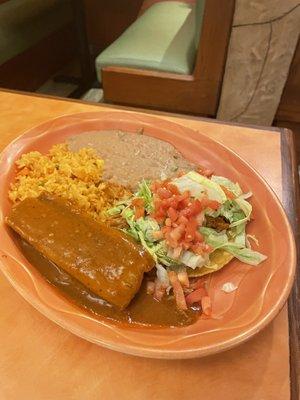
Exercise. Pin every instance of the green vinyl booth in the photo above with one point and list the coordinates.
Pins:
(164, 38)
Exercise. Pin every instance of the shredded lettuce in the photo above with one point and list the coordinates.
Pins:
(145, 193)
(191, 259)
(229, 210)
(162, 256)
(237, 248)
(162, 274)
(213, 190)
(233, 240)
(246, 208)
(244, 254)
(185, 183)
(198, 185)
(213, 238)
(147, 226)
(233, 187)
(147, 246)
(141, 230)
(115, 210)
(239, 234)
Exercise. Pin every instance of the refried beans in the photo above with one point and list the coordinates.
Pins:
(129, 158)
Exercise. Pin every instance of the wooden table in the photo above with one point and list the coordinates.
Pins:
(39, 360)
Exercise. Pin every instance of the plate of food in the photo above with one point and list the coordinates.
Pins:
(141, 235)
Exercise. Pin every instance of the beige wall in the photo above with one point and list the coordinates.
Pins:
(262, 44)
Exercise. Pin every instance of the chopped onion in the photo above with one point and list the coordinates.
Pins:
(178, 291)
(159, 290)
(200, 218)
(254, 238)
(150, 287)
(246, 196)
(183, 278)
(247, 243)
(163, 176)
(168, 290)
(229, 287)
(162, 275)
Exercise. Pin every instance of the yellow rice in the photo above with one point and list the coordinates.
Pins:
(73, 175)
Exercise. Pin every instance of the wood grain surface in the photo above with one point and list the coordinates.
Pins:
(290, 200)
(39, 360)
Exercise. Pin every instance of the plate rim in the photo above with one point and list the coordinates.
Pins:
(169, 353)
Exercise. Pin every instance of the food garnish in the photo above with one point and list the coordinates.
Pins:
(192, 225)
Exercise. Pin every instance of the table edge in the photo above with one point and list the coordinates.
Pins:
(270, 129)
(290, 186)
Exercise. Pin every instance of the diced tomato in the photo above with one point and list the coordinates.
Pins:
(206, 305)
(178, 291)
(186, 194)
(213, 204)
(228, 193)
(150, 287)
(191, 227)
(164, 193)
(171, 242)
(160, 220)
(200, 283)
(197, 248)
(183, 278)
(182, 220)
(188, 238)
(180, 173)
(200, 218)
(176, 253)
(165, 204)
(173, 214)
(159, 290)
(154, 186)
(174, 202)
(166, 230)
(186, 245)
(192, 209)
(207, 248)
(173, 189)
(186, 212)
(138, 201)
(183, 203)
(196, 207)
(205, 171)
(196, 296)
(160, 212)
(157, 203)
(157, 235)
(139, 212)
(198, 237)
(168, 222)
(177, 232)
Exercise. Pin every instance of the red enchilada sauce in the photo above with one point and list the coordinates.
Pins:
(80, 257)
(143, 309)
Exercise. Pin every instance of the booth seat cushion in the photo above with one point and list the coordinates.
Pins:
(23, 23)
(161, 39)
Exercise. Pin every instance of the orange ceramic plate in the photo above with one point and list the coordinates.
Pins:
(262, 290)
